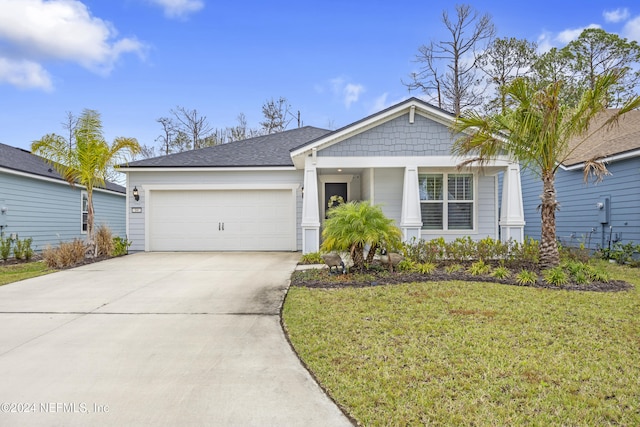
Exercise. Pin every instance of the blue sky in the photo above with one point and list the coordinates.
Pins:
(335, 61)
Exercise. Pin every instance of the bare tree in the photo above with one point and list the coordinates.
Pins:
(277, 115)
(166, 139)
(239, 132)
(192, 124)
(146, 152)
(449, 73)
(69, 125)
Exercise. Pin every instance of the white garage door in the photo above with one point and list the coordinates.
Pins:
(219, 220)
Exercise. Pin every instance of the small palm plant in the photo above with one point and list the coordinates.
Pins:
(354, 225)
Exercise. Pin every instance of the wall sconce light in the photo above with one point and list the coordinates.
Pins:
(302, 192)
(136, 195)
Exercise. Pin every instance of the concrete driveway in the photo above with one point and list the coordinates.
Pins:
(189, 339)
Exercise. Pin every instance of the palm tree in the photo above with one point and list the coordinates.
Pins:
(88, 161)
(536, 132)
(354, 225)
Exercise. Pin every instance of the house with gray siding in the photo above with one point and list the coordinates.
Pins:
(272, 192)
(36, 202)
(596, 214)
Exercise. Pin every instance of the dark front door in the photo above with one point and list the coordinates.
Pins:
(334, 189)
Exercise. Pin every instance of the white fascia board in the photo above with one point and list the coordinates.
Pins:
(207, 169)
(56, 181)
(614, 158)
(399, 161)
(373, 121)
(230, 186)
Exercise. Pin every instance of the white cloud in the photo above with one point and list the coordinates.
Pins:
(570, 35)
(179, 8)
(618, 15)
(631, 29)
(352, 93)
(547, 40)
(383, 101)
(348, 92)
(24, 74)
(34, 31)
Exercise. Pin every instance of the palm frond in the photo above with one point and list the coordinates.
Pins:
(595, 168)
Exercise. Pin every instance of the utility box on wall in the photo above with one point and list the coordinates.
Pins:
(3, 214)
(604, 208)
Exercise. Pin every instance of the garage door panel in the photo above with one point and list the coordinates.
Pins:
(193, 220)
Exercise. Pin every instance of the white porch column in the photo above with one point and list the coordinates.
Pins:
(411, 217)
(310, 209)
(512, 211)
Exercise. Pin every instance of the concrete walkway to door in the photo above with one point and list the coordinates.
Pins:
(156, 339)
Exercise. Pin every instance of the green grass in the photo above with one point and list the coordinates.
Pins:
(467, 353)
(13, 273)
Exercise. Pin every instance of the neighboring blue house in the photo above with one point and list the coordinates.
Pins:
(596, 214)
(36, 202)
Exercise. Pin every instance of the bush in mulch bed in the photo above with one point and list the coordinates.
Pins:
(375, 276)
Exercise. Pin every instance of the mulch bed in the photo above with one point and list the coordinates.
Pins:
(37, 257)
(370, 278)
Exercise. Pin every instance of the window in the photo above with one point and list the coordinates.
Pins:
(84, 211)
(446, 196)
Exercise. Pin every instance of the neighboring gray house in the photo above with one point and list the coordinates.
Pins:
(596, 214)
(36, 202)
(271, 192)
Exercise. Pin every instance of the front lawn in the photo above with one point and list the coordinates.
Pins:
(472, 353)
(15, 272)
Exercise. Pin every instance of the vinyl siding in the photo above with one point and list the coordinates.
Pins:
(577, 220)
(141, 179)
(50, 212)
(388, 183)
(366, 181)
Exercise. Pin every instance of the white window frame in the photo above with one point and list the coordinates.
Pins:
(445, 202)
(83, 196)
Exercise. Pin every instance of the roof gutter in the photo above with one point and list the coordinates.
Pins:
(124, 169)
(56, 181)
(614, 158)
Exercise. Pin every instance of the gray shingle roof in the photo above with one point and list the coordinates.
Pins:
(261, 151)
(621, 138)
(24, 161)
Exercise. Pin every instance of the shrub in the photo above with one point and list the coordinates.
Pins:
(462, 249)
(452, 268)
(65, 255)
(104, 241)
(466, 249)
(597, 274)
(27, 249)
(622, 254)
(479, 268)
(18, 249)
(425, 268)
(527, 252)
(120, 246)
(312, 258)
(406, 265)
(501, 273)
(526, 277)
(5, 248)
(556, 276)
